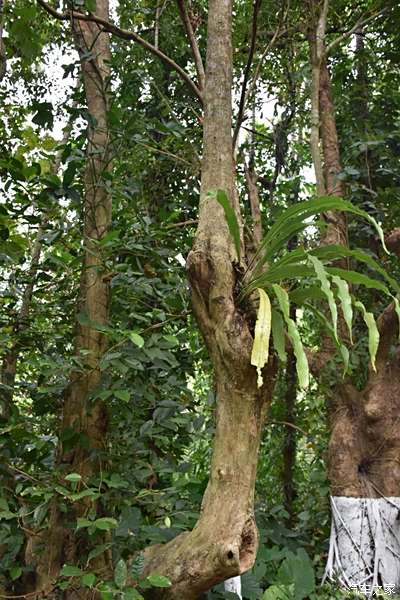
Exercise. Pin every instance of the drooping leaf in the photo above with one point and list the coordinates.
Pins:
(326, 288)
(345, 302)
(262, 332)
(222, 197)
(358, 279)
(373, 333)
(278, 334)
(301, 359)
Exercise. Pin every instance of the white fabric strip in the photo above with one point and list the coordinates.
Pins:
(364, 547)
(234, 585)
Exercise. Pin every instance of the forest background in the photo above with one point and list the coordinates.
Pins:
(116, 358)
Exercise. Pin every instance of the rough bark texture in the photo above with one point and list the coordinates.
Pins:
(365, 440)
(224, 542)
(83, 415)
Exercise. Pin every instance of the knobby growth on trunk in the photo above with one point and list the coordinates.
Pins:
(224, 541)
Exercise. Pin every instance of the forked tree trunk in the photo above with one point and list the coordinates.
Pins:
(364, 445)
(223, 543)
(84, 415)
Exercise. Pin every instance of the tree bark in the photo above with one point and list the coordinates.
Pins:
(223, 543)
(83, 413)
(364, 443)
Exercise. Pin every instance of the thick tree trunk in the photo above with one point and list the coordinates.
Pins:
(365, 443)
(224, 542)
(83, 413)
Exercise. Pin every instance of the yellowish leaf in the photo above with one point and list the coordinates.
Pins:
(259, 353)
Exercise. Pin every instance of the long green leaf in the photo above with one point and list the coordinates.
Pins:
(339, 345)
(222, 197)
(302, 369)
(278, 335)
(326, 288)
(333, 252)
(358, 279)
(345, 302)
(291, 219)
(373, 333)
(262, 332)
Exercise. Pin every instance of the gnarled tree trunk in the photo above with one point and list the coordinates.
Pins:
(224, 541)
(364, 442)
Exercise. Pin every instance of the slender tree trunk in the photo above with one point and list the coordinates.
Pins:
(83, 413)
(364, 443)
(224, 541)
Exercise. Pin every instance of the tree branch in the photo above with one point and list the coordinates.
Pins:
(360, 23)
(125, 34)
(193, 43)
(242, 102)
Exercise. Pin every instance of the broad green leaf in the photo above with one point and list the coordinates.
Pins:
(279, 592)
(345, 302)
(326, 288)
(373, 333)
(222, 197)
(301, 359)
(298, 569)
(123, 395)
(15, 573)
(105, 523)
(158, 581)
(132, 594)
(278, 334)
(89, 579)
(136, 339)
(73, 477)
(120, 574)
(70, 571)
(262, 332)
(81, 523)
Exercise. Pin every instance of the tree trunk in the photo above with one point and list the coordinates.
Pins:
(364, 443)
(223, 543)
(84, 415)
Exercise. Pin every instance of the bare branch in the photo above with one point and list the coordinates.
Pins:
(125, 34)
(256, 10)
(193, 43)
(362, 21)
(250, 90)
